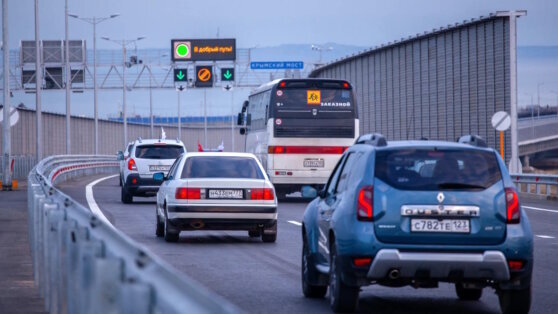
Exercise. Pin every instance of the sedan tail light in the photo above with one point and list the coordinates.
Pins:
(188, 194)
(365, 203)
(512, 206)
(132, 165)
(262, 194)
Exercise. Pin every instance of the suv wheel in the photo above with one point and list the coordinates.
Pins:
(160, 226)
(170, 234)
(270, 237)
(308, 270)
(126, 197)
(467, 294)
(515, 301)
(342, 298)
(254, 233)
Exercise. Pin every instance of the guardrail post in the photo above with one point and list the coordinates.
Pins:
(106, 292)
(136, 298)
(537, 188)
(55, 216)
(64, 237)
(46, 250)
(76, 235)
(88, 252)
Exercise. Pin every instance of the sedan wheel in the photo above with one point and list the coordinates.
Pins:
(170, 234)
(159, 226)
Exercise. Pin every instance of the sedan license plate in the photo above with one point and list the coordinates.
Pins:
(444, 225)
(226, 194)
(313, 163)
(159, 168)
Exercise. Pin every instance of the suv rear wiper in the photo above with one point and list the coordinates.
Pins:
(458, 185)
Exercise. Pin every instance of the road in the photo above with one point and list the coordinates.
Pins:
(264, 278)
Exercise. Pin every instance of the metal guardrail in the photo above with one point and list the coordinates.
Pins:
(543, 183)
(85, 265)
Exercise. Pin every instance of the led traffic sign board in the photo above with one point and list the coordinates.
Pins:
(203, 49)
(227, 74)
(180, 75)
(204, 76)
(277, 65)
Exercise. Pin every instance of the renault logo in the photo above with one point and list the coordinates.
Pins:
(440, 197)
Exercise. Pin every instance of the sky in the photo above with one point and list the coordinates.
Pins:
(258, 23)
(269, 23)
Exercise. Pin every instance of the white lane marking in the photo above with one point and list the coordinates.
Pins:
(541, 209)
(542, 236)
(294, 222)
(91, 200)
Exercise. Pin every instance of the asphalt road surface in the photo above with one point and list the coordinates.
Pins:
(265, 277)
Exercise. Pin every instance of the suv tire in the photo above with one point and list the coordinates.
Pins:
(515, 301)
(342, 298)
(169, 234)
(270, 237)
(308, 270)
(126, 197)
(467, 294)
(254, 233)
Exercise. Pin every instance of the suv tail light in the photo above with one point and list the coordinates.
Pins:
(188, 194)
(262, 194)
(512, 206)
(132, 165)
(365, 201)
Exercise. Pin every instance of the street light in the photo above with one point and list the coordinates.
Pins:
(94, 21)
(124, 43)
(320, 49)
(539, 99)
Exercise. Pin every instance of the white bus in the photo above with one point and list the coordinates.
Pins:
(299, 128)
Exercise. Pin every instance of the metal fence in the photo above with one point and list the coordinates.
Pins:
(82, 264)
(22, 165)
(542, 184)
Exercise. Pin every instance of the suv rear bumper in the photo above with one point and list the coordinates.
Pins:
(487, 265)
(142, 187)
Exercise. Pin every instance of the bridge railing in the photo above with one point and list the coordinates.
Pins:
(542, 184)
(83, 264)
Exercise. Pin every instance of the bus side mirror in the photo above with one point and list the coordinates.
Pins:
(249, 119)
(242, 131)
(239, 120)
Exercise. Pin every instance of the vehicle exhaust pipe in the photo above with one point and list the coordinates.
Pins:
(197, 224)
(394, 274)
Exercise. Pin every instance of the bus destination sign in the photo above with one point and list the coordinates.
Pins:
(203, 49)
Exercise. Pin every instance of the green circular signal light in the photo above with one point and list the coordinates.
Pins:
(182, 50)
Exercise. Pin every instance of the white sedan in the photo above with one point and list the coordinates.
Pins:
(216, 191)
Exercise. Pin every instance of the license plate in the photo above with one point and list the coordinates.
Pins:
(226, 194)
(444, 225)
(313, 163)
(159, 168)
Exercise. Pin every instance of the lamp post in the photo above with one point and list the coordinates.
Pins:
(320, 49)
(539, 99)
(94, 21)
(124, 43)
(38, 86)
(6, 142)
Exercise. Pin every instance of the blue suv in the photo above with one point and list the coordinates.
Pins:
(417, 213)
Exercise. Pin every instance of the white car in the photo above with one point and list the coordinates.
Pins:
(146, 158)
(123, 157)
(216, 191)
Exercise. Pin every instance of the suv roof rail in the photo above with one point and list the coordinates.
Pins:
(374, 139)
(473, 140)
(139, 139)
(177, 140)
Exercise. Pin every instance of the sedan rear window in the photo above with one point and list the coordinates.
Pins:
(437, 169)
(159, 151)
(221, 167)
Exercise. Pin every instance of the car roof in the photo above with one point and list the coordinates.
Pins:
(429, 144)
(220, 154)
(155, 141)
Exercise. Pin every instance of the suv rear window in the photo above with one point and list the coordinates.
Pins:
(221, 167)
(159, 151)
(437, 169)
